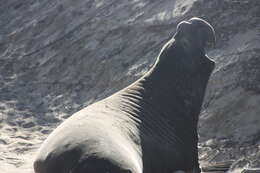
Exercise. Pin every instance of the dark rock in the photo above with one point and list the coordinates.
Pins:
(28, 125)
(2, 141)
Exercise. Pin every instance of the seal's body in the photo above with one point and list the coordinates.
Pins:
(147, 127)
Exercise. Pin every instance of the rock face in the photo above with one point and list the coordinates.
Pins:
(59, 56)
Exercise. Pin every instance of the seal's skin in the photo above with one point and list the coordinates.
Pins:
(147, 127)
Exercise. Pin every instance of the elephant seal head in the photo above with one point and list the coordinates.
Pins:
(195, 33)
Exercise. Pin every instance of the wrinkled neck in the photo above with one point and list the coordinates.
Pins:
(179, 81)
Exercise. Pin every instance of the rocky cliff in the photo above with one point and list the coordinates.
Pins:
(59, 56)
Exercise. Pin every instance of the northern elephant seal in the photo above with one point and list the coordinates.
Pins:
(147, 127)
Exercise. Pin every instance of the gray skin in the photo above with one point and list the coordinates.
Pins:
(147, 127)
